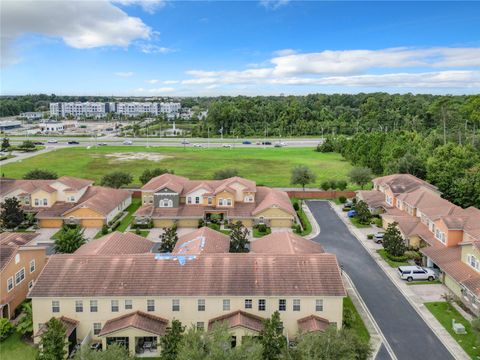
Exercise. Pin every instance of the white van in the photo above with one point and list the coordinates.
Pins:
(411, 273)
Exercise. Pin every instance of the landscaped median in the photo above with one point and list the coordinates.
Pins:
(444, 312)
(306, 227)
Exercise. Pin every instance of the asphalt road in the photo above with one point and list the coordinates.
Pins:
(408, 335)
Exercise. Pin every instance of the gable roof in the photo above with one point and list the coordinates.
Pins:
(10, 242)
(116, 243)
(67, 275)
(69, 325)
(285, 242)
(101, 199)
(312, 323)
(30, 186)
(174, 182)
(239, 318)
(139, 320)
(271, 197)
(74, 183)
(400, 183)
(203, 240)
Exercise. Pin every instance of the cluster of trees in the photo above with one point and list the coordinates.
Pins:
(320, 114)
(453, 167)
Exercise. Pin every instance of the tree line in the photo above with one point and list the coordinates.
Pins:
(453, 167)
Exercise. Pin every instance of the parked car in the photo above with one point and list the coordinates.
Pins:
(378, 237)
(73, 142)
(97, 346)
(352, 213)
(185, 142)
(246, 142)
(197, 145)
(411, 273)
(52, 141)
(227, 146)
(37, 143)
(128, 142)
(102, 144)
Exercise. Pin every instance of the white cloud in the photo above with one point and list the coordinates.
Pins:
(80, 24)
(387, 68)
(149, 6)
(166, 82)
(124, 74)
(273, 4)
(285, 52)
(154, 49)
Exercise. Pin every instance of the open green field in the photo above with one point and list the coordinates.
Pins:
(270, 167)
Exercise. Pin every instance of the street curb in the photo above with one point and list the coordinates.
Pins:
(313, 222)
(457, 353)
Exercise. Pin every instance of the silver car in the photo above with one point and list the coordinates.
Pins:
(411, 273)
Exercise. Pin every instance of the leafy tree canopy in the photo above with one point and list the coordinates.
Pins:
(40, 174)
(116, 179)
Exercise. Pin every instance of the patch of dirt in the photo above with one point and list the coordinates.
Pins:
(129, 156)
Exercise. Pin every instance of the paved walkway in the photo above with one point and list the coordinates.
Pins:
(406, 333)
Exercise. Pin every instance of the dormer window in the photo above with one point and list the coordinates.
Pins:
(166, 203)
(473, 262)
(440, 235)
(248, 198)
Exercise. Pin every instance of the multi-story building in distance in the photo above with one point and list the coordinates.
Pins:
(100, 109)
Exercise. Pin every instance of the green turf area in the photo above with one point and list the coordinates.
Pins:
(394, 264)
(14, 348)
(445, 312)
(128, 219)
(258, 234)
(270, 167)
(356, 323)
(423, 282)
(143, 233)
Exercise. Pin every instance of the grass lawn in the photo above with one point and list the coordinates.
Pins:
(444, 312)
(393, 264)
(423, 282)
(357, 324)
(129, 217)
(355, 222)
(258, 234)
(14, 348)
(143, 233)
(270, 167)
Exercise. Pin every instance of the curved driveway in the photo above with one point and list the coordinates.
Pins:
(408, 335)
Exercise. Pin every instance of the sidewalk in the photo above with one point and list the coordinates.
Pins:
(416, 297)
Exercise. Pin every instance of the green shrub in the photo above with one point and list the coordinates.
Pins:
(370, 236)
(262, 228)
(115, 225)
(342, 199)
(333, 184)
(150, 224)
(296, 206)
(325, 185)
(137, 231)
(345, 209)
(341, 185)
(104, 229)
(402, 258)
(378, 222)
(201, 223)
(412, 255)
(6, 328)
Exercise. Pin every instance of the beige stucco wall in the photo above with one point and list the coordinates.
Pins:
(453, 285)
(50, 223)
(84, 213)
(469, 249)
(414, 241)
(40, 195)
(187, 223)
(188, 313)
(132, 334)
(163, 223)
(147, 197)
(225, 195)
(272, 213)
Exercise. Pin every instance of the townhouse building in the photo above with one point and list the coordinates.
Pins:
(170, 199)
(447, 235)
(118, 289)
(66, 200)
(20, 265)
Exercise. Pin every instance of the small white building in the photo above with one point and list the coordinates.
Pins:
(52, 126)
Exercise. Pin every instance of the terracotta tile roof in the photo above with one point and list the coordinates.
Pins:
(373, 198)
(454, 222)
(312, 323)
(448, 259)
(240, 211)
(55, 211)
(116, 243)
(69, 324)
(267, 198)
(202, 241)
(400, 183)
(411, 225)
(101, 199)
(67, 275)
(175, 182)
(29, 186)
(139, 320)
(74, 183)
(10, 242)
(285, 242)
(239, 319)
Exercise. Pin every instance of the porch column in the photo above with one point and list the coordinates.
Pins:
(131, 345)
(104, 343)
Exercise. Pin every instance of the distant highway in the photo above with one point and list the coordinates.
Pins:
(214, 143)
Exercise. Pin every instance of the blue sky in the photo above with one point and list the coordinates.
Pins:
(168, 48)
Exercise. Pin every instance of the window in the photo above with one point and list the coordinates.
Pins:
(30, 284)
(37, 202)
(19, 276)
(197, 200)
(209, 200)
(473, 262)
(78, 306)
(45, 202)
(229, 202)
(200, 325)
(319, 305)
(32, 266)
(220, 202)
(10, 284)
(248, 303)
(440, 235)
(17, 258)
(71, 198)
(93, 306)
(226, 304)
(175, 305)
(201, 304)
(55, 306)
(248, 198)
(261, 304)
(150, 305)
(128, 304)
(296, 304)
(27, 201)
(114, 304)
(389, 200)
(189, 200)
(282, 304)
(97, 327)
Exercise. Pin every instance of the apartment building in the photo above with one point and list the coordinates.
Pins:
(170, 199)
(20, 265)
(66, 200)
(447, 235)
(117, 289)
(100, 109)
(79, 109)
